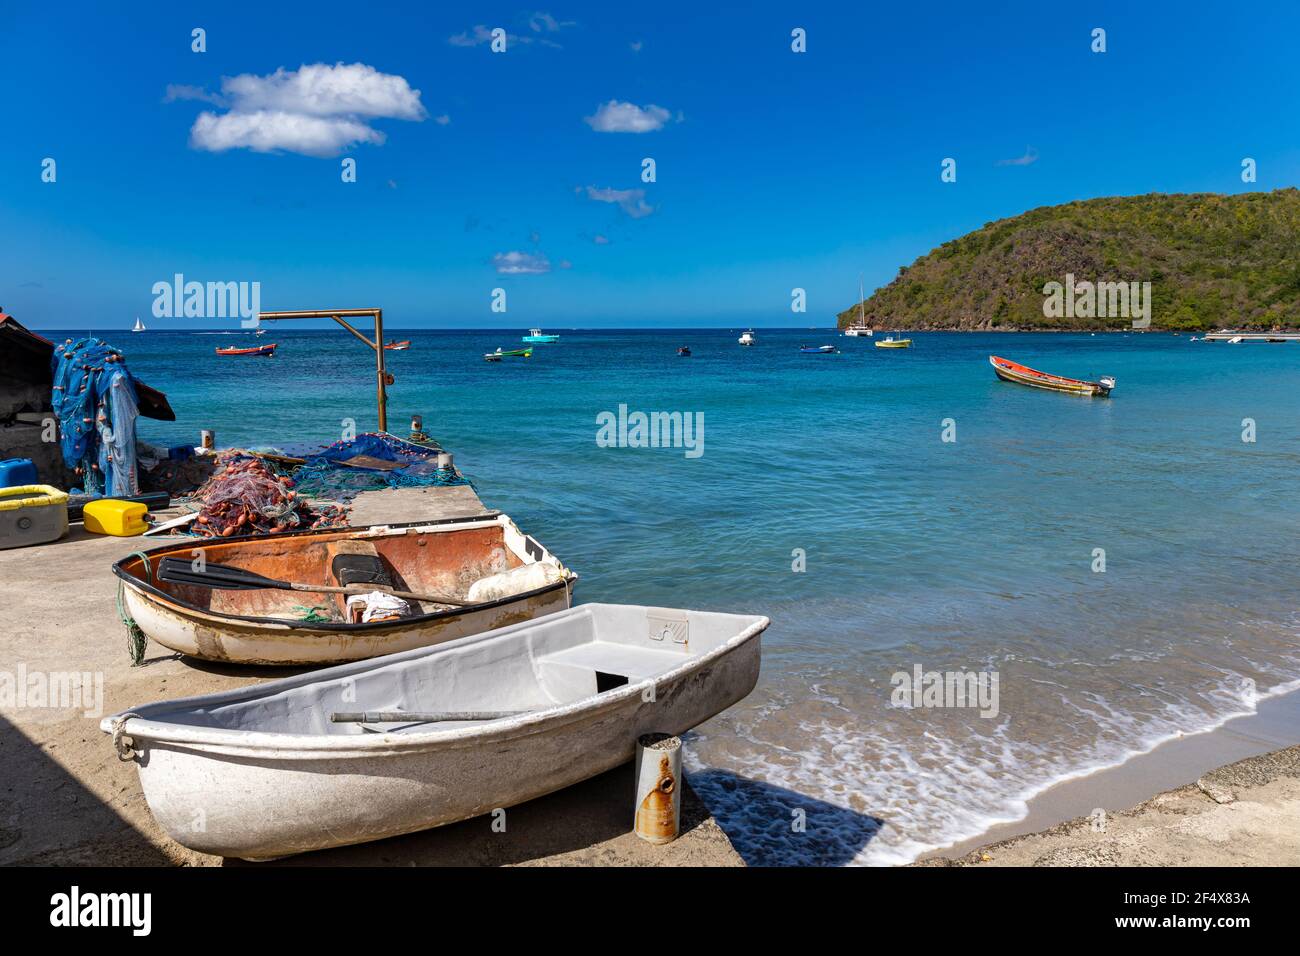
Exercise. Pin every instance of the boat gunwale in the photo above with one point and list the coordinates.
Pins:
(135, 724)
(1024, 375)
(179, 606)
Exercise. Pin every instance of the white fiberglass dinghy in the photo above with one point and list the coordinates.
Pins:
(323, 759)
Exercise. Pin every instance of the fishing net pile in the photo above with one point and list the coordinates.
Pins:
(94, 399)
(325, 474)
(248, 496)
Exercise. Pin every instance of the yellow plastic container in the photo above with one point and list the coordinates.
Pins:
(110, 516)
(32, 514)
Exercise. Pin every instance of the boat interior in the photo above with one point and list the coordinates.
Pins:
(533, 666)
(434, 559)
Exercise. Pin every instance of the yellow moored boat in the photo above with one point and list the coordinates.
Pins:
(890, 342)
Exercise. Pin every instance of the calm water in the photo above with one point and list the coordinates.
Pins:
(973, 554)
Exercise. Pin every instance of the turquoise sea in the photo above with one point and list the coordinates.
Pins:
(974, 554)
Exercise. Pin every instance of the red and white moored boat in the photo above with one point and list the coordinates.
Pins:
(1010, 371)
(267, 350)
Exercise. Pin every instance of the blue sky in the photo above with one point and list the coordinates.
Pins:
(775, 170)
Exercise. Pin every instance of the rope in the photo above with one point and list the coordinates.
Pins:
(310, 616)
(123, 744)
(136, 641)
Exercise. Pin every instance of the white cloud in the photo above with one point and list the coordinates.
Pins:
(266, 131)
(1031, 156)
(442, 120)
(321, 90)
(545, 23)
(316, 110)
(601, 240)
(616, 117)
(179, 91)
(636, 46)
(480, 34)
(521, 263)
(631, 201)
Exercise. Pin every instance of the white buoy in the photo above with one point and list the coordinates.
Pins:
(658, 787)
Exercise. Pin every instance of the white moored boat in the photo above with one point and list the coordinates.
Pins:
(296, 764)
(747, 337)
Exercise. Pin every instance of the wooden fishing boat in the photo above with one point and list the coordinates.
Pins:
(428, 737)
(401, 346)
(817, 349)
(269, 626)
(510, 353)
(492, 356)
(267, 350)
(1010, 371)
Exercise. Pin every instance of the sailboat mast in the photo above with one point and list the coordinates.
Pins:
(862, 312)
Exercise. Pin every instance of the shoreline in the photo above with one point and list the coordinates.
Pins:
(1062, 810)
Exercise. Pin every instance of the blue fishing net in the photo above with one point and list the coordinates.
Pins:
(94, 399)
(324, 477)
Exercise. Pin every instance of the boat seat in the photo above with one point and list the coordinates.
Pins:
(572, 674)
(634, 663)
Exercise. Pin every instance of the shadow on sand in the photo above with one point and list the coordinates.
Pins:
(761, 821)
(48, 817)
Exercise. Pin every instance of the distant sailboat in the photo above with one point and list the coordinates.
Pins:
(861, 328)
(139, 326)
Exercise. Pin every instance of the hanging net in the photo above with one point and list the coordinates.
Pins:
(94, 399)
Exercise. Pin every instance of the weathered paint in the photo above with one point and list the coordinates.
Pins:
(269, 793)
(260, 626)
(658, 789)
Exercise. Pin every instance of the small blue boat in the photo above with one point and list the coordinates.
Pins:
(818, 349)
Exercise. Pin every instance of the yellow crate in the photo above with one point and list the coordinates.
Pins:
(110, 516)
(32, 514)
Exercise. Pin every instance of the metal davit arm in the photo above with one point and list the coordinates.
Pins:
(382, 378)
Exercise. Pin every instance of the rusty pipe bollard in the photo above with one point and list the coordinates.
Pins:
(658, 787)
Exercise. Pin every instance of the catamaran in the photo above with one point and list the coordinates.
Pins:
(861, 328)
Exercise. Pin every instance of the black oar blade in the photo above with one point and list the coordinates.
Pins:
(216, 576)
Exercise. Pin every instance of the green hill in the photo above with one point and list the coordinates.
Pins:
(1212, 260)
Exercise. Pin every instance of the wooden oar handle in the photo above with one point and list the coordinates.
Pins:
(368, 588)
(420, 717)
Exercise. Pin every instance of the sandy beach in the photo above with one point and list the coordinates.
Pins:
(1244, 813)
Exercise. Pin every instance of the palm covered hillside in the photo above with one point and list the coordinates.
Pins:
(1212, 260)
